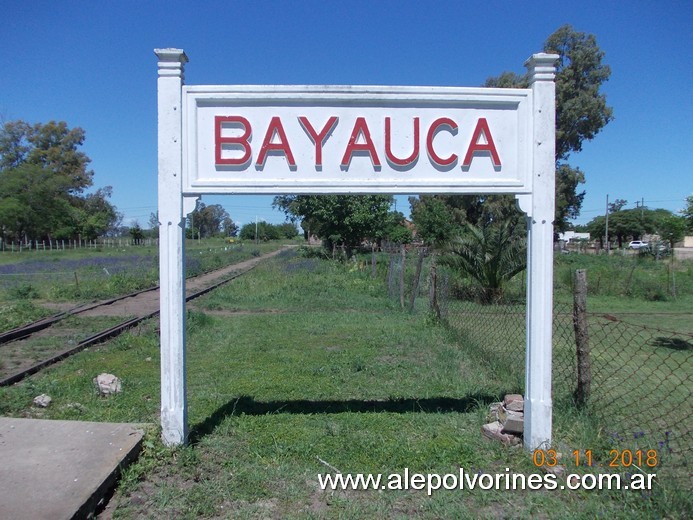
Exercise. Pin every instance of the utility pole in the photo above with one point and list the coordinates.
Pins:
(607, 223)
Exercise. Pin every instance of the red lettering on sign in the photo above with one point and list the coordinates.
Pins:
(319, 139)
(238, 151)
(243, 140)
(275, 128)
(476, 146)
(360, 129)
(388, 145)
(442, 123)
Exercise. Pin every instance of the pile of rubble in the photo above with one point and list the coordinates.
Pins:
(506, 420)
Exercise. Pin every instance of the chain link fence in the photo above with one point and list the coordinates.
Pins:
(640, 377)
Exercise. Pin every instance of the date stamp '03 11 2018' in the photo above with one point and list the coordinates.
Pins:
(616, 458)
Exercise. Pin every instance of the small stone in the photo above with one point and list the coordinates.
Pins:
(557, 470)
(514, 402)
(107, 384)
(513, 422)
(493, 412)
(494, 431)
(42, 401)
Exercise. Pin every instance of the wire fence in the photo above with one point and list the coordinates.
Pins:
(19, 246)
(639, 377)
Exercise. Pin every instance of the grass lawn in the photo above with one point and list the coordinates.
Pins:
(305, 366)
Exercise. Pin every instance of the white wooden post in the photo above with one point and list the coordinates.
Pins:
(539, 207)
(171, 246)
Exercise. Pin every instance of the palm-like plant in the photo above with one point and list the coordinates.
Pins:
(491, 254)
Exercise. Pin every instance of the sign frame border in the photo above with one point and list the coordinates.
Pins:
(175, 203)
(242, 96)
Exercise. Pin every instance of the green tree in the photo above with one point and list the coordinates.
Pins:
(136, 231)
(440, 218)
(52, 146)
(687, 213)
(581, 109)
(628, 224)
(97, 215)
(617, 205)
(434, 219)
(265, 231)
(154, 224)
(43, 177)
(229, 227)
(568, 200)
(339, 220)
(672, 229)
(38, 202)
(491, 254)
(208, 221)
(288, 230)
(394, 229)
(597, 229)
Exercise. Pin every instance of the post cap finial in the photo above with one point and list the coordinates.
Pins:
(542, 66)
(171, 54)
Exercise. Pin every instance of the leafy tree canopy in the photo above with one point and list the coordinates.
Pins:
(617, 205)
(266, 231)
(208, 221)
(484, 235)
(671, 229)
(629, 224)
(441, 218)
(52, 146)
(581, 109)
(344, 220)
(43, 176)
(491, 254)
(687, 213)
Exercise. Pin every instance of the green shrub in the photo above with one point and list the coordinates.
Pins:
(24, 291)
(14, 315)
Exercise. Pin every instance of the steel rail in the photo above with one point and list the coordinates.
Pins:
(44, 323)
(107, 334)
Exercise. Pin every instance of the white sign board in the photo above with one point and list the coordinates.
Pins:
(356, 140)
(337, 139)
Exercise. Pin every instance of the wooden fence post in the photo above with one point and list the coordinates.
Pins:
(417, 276)
(374, 268)
(401, 276)
(433, 295)
(584, 368)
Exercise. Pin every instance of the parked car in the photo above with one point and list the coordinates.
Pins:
(637, 244)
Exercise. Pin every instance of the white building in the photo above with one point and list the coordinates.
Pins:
(572, 235)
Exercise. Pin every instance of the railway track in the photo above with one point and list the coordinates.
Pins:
(26, 331)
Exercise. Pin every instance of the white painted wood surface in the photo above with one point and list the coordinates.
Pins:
(533, 183)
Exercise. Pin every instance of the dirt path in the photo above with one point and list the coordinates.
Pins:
(148, 302)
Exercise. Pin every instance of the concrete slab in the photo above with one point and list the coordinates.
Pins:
(61, 469)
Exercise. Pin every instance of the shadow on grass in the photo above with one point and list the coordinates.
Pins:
(249, 406)
(672, 343)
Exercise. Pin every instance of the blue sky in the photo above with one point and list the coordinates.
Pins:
(92, 65)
